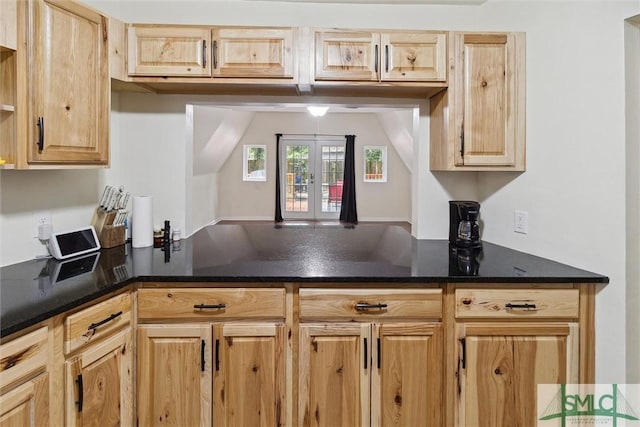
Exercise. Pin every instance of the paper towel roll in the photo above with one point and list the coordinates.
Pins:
(142, 222)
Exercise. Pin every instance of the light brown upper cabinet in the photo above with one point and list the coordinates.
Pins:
(253, 52)
(478, 123)
(169, 50)
(417, 56)
(68, 85)
(230, 52)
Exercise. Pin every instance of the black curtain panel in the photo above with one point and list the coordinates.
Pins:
(348, 211)
(278, 216)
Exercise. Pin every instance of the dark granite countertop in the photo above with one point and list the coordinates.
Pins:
(35, 290)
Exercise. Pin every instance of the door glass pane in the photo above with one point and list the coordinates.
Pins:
(297, 171)
(332, 175)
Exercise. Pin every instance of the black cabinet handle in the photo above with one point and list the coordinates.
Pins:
(379, 355)
(386, 58)
(366, 355)
(204, 54)
(366, 306)
(80, 392)
(375, 59)
(462, 141)
(463, 347)
(218, 306)
(524, 306)
(40, 125)
(102, 322)
(215, 54)
(202, 344)
(217, 355)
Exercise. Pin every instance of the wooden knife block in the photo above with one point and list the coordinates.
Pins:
(109, 235)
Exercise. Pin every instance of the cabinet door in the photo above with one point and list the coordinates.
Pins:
(27, 405)
(168, 51)
(334, 375)
(491, 99)
(500, 366)
(349, 55)
(99, 390)
(249, 375)
(253, 52)
(406, 381)
(174, 383)
(414, 57)
(69, 120)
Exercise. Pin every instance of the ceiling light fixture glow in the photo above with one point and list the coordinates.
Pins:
(316, 111)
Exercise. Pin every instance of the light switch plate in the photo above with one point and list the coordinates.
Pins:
(521, 222)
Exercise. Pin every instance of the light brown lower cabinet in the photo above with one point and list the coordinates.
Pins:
(501, 364)
(370, 374)
(99, 383)
(24, 380)
(188, 373)
(27, 405)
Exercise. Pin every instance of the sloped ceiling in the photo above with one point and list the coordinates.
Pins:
(398, 126)
(218, 132)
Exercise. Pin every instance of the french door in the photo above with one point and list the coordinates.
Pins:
(312, 176)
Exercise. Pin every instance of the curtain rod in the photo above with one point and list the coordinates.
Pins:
(312, 134)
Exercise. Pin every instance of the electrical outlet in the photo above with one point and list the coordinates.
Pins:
(39, 218)
(521, 222)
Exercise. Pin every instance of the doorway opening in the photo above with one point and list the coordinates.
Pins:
(312, 177)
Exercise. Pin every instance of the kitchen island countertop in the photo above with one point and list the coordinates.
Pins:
(33, 291)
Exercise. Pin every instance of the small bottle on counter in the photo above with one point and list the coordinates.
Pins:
(157, 238)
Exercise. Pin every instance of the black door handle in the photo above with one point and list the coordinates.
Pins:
(40, 125)
(80, 400)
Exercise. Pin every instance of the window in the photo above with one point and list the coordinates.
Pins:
(254, 163)
(375, 164)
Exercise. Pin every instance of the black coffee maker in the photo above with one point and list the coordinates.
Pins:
(464, 231)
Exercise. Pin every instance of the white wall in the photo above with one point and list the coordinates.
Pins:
(256, 200)
(632, 66)
(575, 137)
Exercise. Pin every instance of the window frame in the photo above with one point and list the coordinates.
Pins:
(245, 163)
(383, 149)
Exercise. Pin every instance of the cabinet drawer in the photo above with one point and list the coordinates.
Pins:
(517, 303)
(97, 321)
(365, 304)
(22, 356)
(211, 303)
